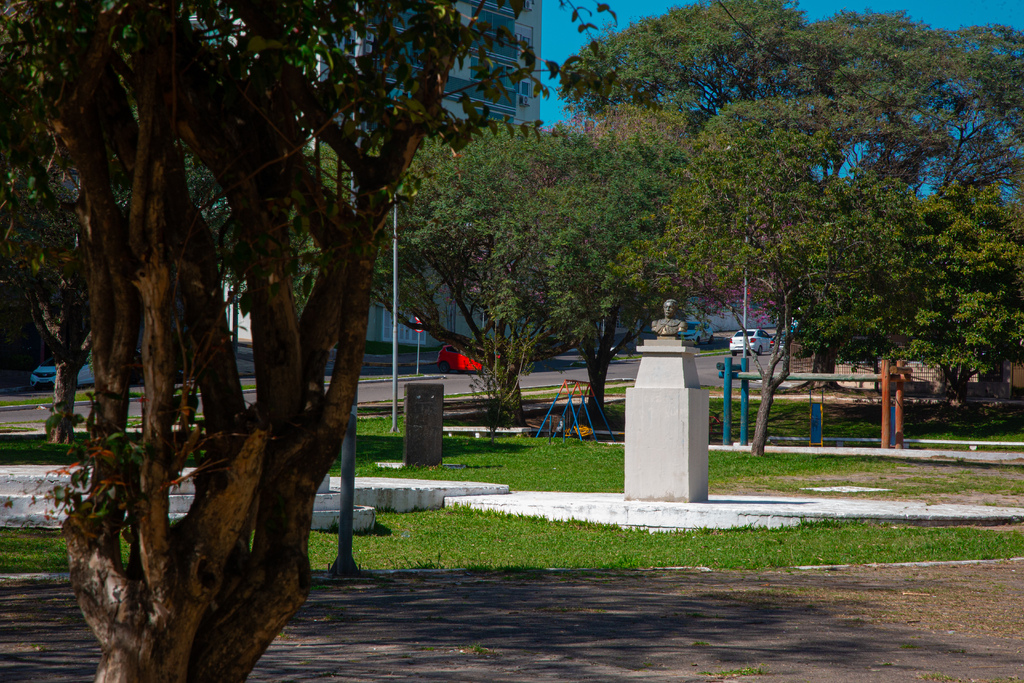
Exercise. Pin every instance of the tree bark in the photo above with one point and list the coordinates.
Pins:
(957, 377)
(201, 599)
(772, 377)
(599, 356)
(824, 360)
(65, 386)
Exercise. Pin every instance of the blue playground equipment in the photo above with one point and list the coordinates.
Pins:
(573, 390)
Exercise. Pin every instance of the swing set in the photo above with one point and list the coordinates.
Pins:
(890, 377)
(572, 391)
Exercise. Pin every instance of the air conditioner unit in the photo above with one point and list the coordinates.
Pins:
(527, 5)
(524, 100)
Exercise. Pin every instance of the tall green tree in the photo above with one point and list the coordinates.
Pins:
(927, 106)
(522, 239)
(624, 192)
(771, 206)
(971, 313)
(700, 57)
(477, 240)
(131, 90)
(48, 279)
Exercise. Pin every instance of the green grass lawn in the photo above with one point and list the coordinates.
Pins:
(465, 538)
(461, 537)
(528, 464)
(34, 452)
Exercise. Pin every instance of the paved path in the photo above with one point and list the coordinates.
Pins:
(860, 625)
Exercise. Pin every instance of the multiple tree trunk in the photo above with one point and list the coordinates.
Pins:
(201, 599)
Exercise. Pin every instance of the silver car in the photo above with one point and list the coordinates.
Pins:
(758, 339)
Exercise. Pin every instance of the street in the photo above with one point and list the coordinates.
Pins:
(375, 385)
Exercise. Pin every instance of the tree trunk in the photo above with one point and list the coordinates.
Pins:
(516, 403)
(957, 378)
(772, 377)
(597, 373)
(824, 360)
(599, 356)
(65, 386)
(200, 598)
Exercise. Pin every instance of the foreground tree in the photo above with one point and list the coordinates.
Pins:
(245, 88)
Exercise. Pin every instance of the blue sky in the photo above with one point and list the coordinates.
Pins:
(559, 38)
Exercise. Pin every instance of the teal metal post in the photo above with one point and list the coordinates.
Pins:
(744, 403)
(727, 402)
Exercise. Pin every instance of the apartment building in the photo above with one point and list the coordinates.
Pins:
(521, 105)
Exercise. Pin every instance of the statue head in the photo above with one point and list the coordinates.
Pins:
(670, 308)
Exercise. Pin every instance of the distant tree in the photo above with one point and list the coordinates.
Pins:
(522, 238)
(700, 57)
(971, 313)
(771, 205)
(48, 279)
(626, 183)
(478, 238)
(927, 106)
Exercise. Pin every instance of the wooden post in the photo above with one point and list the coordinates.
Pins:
(886, 403)
(900, 364)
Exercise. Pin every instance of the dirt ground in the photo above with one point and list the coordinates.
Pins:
(864, 624)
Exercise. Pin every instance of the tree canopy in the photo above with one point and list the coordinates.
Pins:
(769, 205)
(970, 313)
(521, 238)
(927, 106)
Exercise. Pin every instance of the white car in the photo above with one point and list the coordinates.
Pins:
(698, 332)
(46, 373)
(758, 339)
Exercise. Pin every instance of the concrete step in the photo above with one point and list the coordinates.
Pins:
(23, 501)
(34, 510)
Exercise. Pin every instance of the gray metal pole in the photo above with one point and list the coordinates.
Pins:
(394, 324)
(345, 565)
(746, 342)
(744, 402)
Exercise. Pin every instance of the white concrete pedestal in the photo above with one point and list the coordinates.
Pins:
(667, 427)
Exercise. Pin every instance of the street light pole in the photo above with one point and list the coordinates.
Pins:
(746, 342)
(394, 324)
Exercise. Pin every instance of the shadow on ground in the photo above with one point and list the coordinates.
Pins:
(863, 624)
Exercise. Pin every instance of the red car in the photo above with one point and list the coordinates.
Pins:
(448, 358)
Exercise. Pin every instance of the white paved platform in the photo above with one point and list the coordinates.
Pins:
(23, 501)
(407, 495)
(25, 486)
(724, 512)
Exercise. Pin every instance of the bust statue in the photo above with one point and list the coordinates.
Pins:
(669, 326)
